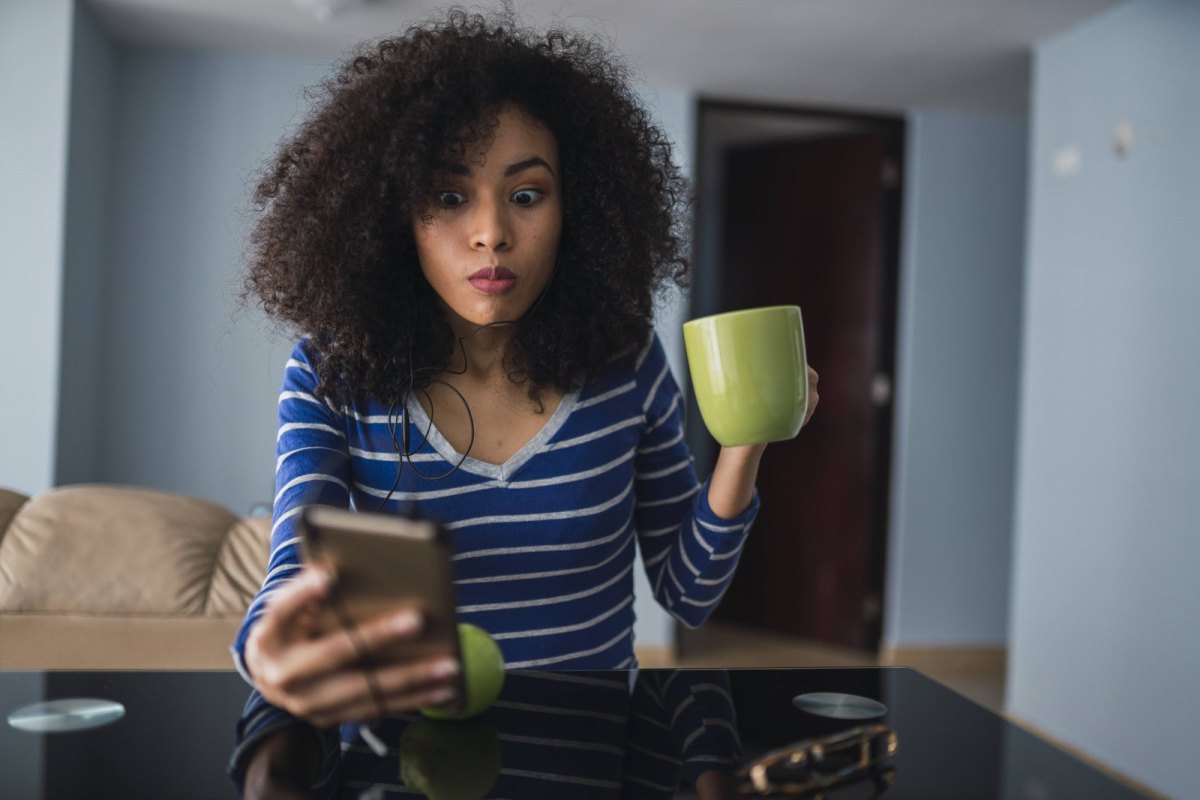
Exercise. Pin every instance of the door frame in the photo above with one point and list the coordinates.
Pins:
(707, 243)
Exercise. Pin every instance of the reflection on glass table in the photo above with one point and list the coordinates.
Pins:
(857, 757)
(550, 734)
(648, 733)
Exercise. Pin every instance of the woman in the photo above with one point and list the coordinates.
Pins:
(468, 234)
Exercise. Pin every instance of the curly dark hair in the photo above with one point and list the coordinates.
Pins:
(332, 252)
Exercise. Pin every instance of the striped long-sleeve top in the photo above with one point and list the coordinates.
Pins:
(544, 542)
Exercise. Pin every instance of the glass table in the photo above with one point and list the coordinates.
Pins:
(641, 733)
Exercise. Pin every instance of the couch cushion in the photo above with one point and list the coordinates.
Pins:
(241, 567)
(111, 550)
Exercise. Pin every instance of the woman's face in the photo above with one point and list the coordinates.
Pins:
(489, 248)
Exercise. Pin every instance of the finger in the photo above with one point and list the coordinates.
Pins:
(406, 702)
(291, 599)
(367, 709)
(813, 377)
(286, 607)
(348, 693)
(309, 659)
(308, 622)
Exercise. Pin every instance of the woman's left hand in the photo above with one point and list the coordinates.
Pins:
(732, 484)
(813, 397)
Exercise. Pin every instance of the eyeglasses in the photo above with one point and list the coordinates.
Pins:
(822, 763)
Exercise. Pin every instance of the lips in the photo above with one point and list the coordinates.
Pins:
(493, 280)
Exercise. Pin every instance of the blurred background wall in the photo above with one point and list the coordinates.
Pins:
(87, 238)
(957, 351)
(1104, 649)
(175, 405)
(35, 86)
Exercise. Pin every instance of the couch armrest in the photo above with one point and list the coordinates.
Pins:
(241, 568)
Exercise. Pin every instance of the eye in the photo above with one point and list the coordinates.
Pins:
(450, 199)
(527, 197)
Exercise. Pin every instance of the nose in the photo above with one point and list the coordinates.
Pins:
(490, 229)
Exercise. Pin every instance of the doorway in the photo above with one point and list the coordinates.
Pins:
(803, 207)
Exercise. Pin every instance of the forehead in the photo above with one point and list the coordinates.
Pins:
(516, 137)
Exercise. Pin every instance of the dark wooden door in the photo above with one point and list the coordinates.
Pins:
(805, 224)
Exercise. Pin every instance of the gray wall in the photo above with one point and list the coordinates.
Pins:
(35, 41)
(85, 248)
(958, 338)
(188, 383)
(675, 112)
(1104, 647)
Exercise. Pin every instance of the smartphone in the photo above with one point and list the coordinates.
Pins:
(380, 562)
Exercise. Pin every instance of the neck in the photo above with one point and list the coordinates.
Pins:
(486, 350)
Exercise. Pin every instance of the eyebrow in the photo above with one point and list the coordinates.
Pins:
(511, 169)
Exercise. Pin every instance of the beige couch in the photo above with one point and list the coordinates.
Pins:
(97, 576)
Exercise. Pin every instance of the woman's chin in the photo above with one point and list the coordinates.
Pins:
(492, 314)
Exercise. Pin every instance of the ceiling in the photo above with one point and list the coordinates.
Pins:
(884, 55)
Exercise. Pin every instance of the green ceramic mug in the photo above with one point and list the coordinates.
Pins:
(749, 373)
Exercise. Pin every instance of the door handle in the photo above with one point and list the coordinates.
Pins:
(881, 389)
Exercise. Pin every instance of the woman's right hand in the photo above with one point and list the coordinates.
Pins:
(317, 676)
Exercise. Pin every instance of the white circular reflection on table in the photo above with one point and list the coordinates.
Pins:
(837, 705)
(68, 714)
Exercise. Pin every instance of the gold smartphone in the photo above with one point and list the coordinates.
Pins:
(380, 562)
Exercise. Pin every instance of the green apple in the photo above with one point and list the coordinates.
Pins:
(483, 673)
(450, 760)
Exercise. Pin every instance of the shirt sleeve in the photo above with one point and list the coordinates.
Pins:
(703, 720)
(259, 720)
(681, 721)
(312, 467)
(690, 553)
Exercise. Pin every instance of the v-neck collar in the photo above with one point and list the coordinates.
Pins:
(501, 472)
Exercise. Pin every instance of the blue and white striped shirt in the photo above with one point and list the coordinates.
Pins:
(545, 541)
